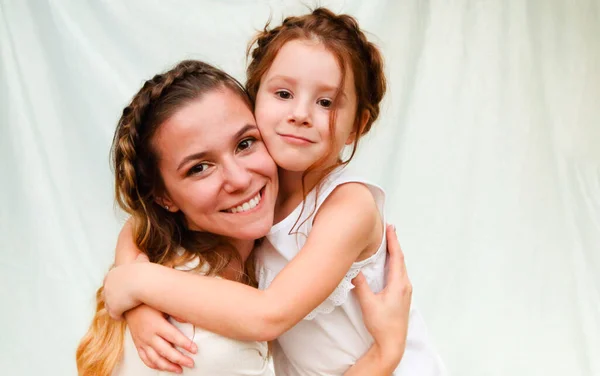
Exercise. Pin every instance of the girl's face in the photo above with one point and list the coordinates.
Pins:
(216, 169)
(293, 105)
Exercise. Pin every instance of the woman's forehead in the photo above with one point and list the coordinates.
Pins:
(207, 123)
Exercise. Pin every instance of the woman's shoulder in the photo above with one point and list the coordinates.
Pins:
(191, 263)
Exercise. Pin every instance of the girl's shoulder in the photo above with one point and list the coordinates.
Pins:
(349, 192)
(350, 183)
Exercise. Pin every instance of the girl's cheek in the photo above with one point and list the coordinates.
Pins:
(266, 161)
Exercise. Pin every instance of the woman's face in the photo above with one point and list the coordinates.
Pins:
(216, 169)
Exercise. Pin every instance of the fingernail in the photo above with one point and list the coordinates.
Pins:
(194, 348)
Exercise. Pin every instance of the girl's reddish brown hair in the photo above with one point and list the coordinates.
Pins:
(342, 36)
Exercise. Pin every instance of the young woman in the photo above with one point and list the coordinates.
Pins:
(316, 83)
(181, 220)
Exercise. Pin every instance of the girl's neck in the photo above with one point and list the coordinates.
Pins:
(290, 190)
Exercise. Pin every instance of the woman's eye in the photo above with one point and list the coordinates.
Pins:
(246, 143)
(283, 94)
(199, 168)
(325, 102)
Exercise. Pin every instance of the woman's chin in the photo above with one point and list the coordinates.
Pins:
(253, 231)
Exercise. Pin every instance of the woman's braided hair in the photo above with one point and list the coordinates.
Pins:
(157, 232)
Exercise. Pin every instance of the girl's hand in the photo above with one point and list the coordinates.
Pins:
(117, 293)
(155, 339)
(386, 314)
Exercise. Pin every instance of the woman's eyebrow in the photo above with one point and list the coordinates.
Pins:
(191, 157)
(202, 154)
(244, 129)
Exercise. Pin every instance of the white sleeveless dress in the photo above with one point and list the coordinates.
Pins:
(216, 355)
(333, 336)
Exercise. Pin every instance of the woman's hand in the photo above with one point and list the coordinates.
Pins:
(386, 314)
(155, 339)
(117, 293)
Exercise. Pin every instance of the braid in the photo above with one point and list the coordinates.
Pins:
(134, 118)
(369, 55)
(373, 61)
(259, 50)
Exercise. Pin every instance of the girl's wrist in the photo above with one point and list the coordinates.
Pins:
(136, 280)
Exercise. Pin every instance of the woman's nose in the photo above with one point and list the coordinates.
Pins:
(236, 177)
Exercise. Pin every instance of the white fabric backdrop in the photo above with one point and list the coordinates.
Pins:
(488, 146)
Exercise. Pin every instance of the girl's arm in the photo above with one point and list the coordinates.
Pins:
(347, 224)
(385, 315)
(126, 250)
(154, 336)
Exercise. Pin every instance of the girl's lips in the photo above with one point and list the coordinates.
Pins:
(296, 140)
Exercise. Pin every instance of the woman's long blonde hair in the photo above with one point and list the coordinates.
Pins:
(157, 232)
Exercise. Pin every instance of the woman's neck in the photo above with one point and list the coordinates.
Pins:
(243, 247)
(236, 267)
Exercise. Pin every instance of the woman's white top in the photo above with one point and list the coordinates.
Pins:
(333, 336)
(216, 355)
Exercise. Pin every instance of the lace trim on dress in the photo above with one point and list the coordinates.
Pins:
(338, 296)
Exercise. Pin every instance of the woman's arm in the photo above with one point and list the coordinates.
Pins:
(385, 315)
(374, 362)
(345, 226)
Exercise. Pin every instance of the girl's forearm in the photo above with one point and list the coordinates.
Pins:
(242, 312)
(221, 306)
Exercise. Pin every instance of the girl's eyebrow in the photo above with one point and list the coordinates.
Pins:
(283, 78)
(323, 87)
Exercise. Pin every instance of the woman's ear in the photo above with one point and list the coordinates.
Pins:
(167, 204)
(364, 119)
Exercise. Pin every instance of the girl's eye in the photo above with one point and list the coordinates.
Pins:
(283, 94)
(198, 169)
(325, 102)
(246, 143)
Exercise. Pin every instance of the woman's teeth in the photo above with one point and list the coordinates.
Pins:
(251, 204)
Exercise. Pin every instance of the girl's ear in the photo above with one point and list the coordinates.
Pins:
(364, 119)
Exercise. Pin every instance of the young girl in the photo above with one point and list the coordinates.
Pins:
(316, 82)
